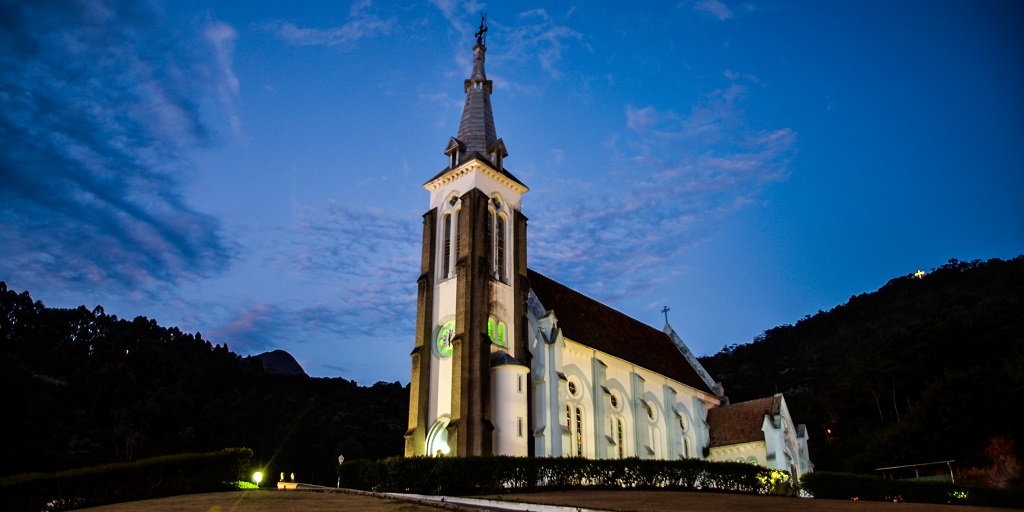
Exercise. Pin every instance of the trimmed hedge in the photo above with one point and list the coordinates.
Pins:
(114, 483)
(845, 486)
(484, 475)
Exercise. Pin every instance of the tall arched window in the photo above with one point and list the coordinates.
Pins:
(574, 424)
(489, 239)
(446, 253)
(490, 328)
(620, 439)
(579, 431)
(500, 250)
(685, 437)
(500, 340)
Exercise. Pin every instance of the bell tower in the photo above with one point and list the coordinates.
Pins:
(470, 363)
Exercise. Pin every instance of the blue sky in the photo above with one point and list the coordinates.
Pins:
(253, 170)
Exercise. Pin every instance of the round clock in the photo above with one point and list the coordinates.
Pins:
(444, 339)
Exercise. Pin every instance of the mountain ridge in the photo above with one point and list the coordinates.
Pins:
(924, 368)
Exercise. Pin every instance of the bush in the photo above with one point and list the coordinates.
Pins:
(845, 486)
(483, 475)
(115, 483)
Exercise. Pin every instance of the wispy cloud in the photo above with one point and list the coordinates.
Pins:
(357, 270)
(674, 175)
(458, 11)
(538, 37)
(98, 106)
(221, 37)
(362, 23)
(714, 8)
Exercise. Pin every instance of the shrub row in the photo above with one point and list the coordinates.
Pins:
(844, 486)
(482, 475)
(115, 483)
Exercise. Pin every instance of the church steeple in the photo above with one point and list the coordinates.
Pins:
(476, 131)
(470, 366)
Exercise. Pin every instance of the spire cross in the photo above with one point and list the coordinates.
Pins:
(666, 310)
(482, 33)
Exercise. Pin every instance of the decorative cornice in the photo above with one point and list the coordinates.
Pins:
(469, 167)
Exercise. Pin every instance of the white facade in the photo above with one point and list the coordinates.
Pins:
(588, 403)
(766, 436)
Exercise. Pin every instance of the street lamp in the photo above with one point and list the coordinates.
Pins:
(257, 477)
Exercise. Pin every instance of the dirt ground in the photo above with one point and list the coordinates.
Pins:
(266, 501)
(639, 501)
(673, 501)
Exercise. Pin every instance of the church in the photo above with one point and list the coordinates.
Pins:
(508, 361)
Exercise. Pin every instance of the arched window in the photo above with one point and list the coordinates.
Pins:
(620, 439)
(574, 424)
(568, 417)
(686, 439)
(579, 431)
(490, 328)
(489, 240)
(446, 253)
(500, 250)
(654, 434)
(501, 335)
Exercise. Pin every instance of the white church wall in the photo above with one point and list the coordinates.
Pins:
(440, 398)
(509, 412)
(578, 406)
(751, 453)
(547, 346)
(636, 389)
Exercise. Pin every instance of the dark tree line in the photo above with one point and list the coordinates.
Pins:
(924, 369)
(81, 387)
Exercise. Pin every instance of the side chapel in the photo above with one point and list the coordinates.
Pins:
(508, 361)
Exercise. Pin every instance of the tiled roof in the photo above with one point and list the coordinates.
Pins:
(741, 423)
(587, 321)
(476, 130)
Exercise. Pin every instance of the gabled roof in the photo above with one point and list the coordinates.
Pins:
(742, 422)
(477, 156)
(587, 321)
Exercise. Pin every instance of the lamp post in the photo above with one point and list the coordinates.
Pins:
(257, 477)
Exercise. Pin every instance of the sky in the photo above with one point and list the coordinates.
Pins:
(253, 170)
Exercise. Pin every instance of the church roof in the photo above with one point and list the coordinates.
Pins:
(741, 423)
(476, 130)
(587, 321)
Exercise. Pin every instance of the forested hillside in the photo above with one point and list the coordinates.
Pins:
(924, 369)
(82, 387)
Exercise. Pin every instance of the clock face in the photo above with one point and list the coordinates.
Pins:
(444, 339)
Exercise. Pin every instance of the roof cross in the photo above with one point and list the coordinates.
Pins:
(481, 35)
(666, 310)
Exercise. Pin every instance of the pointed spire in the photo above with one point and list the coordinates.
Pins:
(476, 131)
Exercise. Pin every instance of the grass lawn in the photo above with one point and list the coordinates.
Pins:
(640, 501)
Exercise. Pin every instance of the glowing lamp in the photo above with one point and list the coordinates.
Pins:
(257, 477)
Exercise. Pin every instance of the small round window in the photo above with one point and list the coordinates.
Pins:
(572, 388)
(615, 401)
(650, 411)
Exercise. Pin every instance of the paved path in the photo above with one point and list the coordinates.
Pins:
(489, 505)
